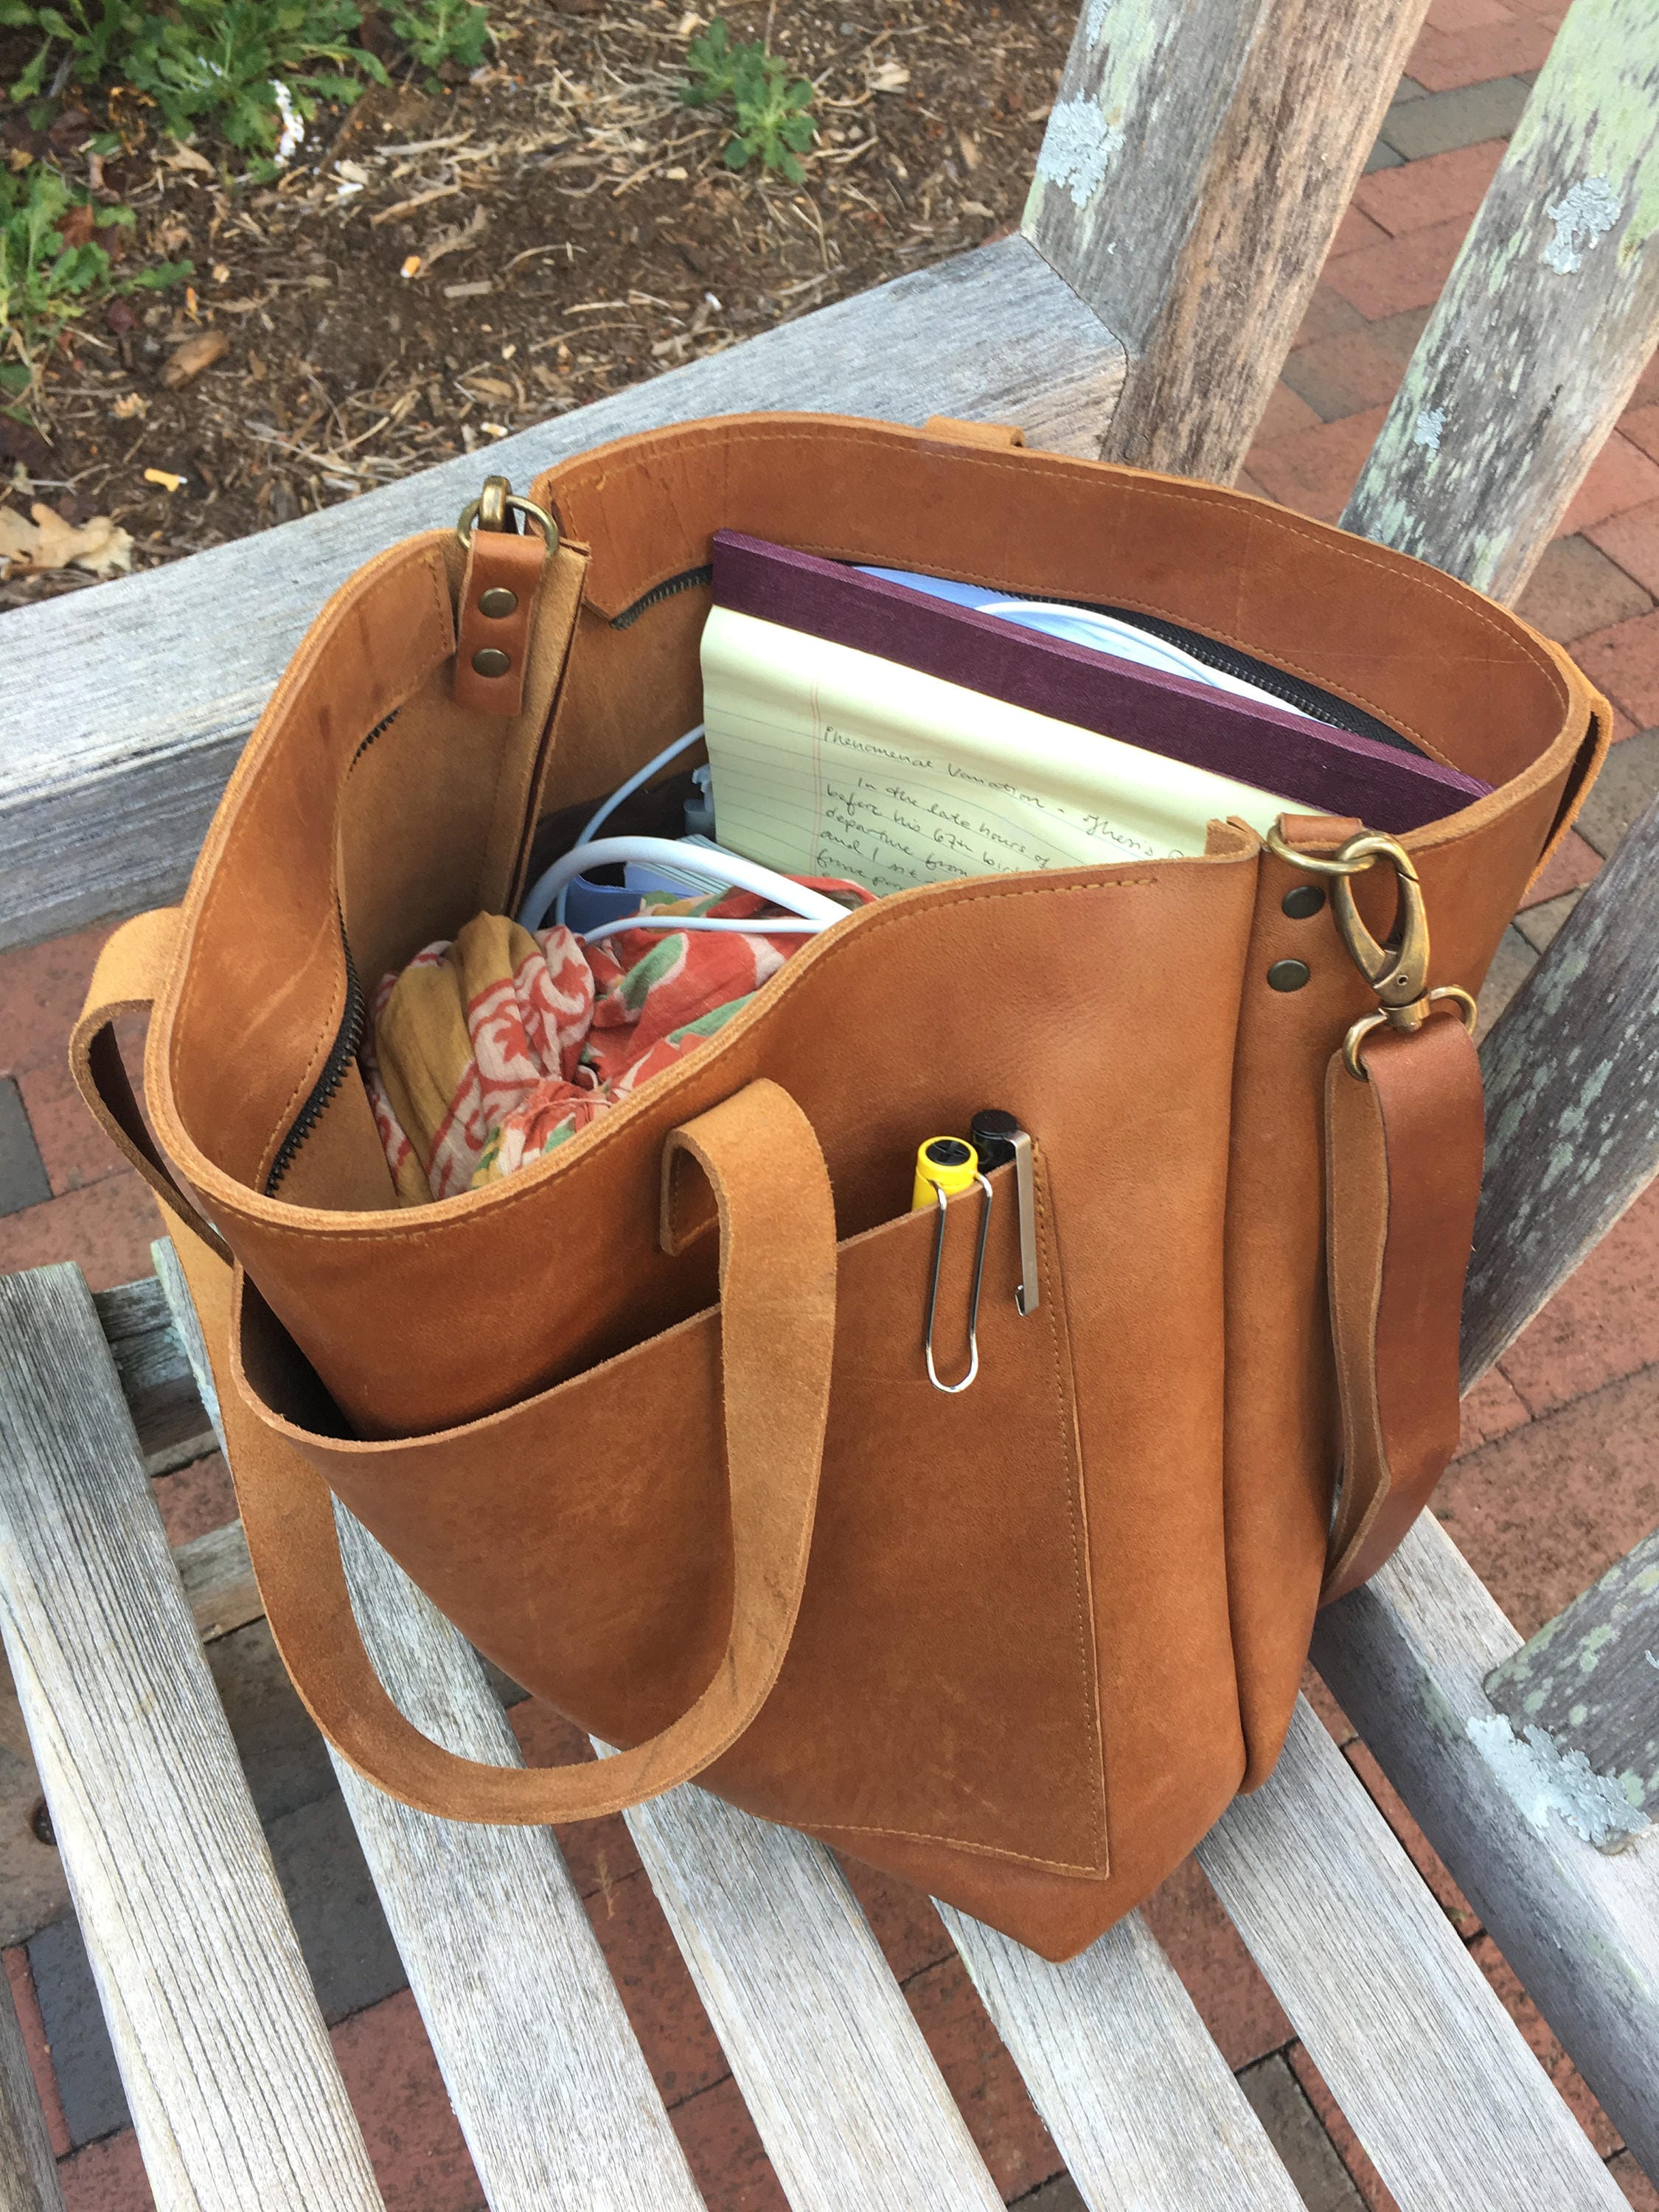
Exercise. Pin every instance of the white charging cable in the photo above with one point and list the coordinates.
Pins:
(676, 921)
(635, 782)
(722, 868)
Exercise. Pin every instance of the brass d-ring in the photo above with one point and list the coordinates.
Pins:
(493, 509)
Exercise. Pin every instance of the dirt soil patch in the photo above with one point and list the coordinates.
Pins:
(437, 270)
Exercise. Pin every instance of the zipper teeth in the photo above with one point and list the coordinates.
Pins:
(341, 1053)
(1233, 660)
(348, 1038)
(687, 580)
(1230, 660)
(378, 731)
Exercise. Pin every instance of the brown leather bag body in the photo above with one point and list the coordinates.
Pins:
(649, 1419)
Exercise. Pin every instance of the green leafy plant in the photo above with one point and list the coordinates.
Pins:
(241, 69)
(52, 265)
(440, 30)
(771, 110)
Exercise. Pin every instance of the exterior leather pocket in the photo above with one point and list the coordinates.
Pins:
(941, 1680)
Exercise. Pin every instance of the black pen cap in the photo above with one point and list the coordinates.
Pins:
(993, 1131)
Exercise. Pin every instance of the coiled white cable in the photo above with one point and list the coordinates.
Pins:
(635, 782)
(721, 867)
(671, 921)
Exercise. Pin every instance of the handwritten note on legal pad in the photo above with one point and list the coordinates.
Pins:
(829, 761)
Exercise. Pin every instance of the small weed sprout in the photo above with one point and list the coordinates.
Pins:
(52, 265)
(772, 112)
(438, 31)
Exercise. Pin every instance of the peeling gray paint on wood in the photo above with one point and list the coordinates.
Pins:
(1571, 1071)
(1197, 162)
(1587, 1686)
(1548, 1780)
(127, 707)
(1406, 1658)
(1548, 317)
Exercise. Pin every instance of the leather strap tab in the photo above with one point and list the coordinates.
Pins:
(130, 971)
(1404, 1153)
(1001, 435)
(510, 567)
(777, 1341)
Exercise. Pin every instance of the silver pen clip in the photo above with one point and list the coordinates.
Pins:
(951, 1388)
(998, 1138)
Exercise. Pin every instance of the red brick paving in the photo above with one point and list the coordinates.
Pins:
(20, 1982)
(1631, 539)
(414, 2139)
(1441, 62)
(1571, 865)
(1620, 476)
(1399, 273)
(1555, 1475)
(1420, 194)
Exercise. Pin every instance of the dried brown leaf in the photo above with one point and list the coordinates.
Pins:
(196, 354)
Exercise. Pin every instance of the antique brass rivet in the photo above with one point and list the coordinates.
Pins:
(498, 602)
(1300, 902)
(490, 660)
(1287, 975)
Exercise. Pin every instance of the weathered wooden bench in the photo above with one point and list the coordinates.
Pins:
(1157, 332)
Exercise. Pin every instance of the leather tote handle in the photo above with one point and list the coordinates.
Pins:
(777, 1231)
(1405, 1146)
(777, 1235)
(129, 971)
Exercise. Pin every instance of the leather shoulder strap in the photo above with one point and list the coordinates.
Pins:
(777, 1338)
(1404, 1153)
(130, 971)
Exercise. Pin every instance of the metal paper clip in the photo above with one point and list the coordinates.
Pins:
(951, 1388)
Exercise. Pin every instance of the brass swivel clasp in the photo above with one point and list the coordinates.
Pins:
(1397, 971)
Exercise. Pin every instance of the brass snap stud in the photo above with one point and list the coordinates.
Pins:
(490, 660)
(498, 603)
(1287, 975)
(1302, 901)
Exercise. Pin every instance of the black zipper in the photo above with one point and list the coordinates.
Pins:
(1229, 660)
(687, 580)
(1294, 690)
(348, 1038)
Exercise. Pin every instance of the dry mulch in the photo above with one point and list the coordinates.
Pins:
(434, 271)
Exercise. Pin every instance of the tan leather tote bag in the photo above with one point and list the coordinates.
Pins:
(649, 1419)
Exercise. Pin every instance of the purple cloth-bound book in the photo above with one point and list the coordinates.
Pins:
(1326, 770)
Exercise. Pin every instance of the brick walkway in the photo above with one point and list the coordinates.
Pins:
(1556, 1479)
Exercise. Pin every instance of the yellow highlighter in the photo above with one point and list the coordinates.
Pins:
(943, 1163)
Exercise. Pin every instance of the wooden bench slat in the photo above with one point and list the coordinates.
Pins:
(1546, 320)
(1408, 1655)
(842, 2087)
(28, 2172)
(548, 2081)
(1142, 2105)
(1435, 2078)
(1587, 1680)
(227, 2064)
(1571, 1071)
(155, 1378)
(127, 707)
(1194, 169)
